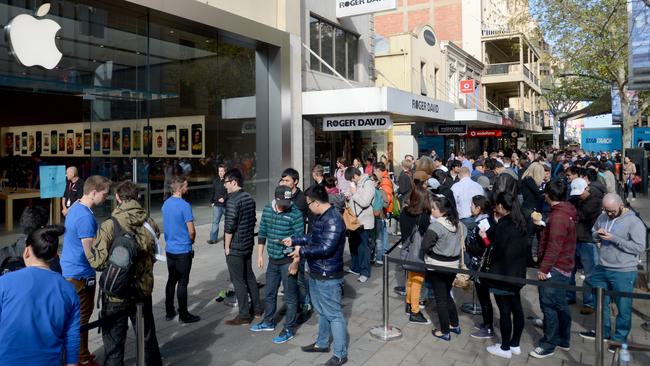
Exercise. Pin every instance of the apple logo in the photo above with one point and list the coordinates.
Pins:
(32, 40)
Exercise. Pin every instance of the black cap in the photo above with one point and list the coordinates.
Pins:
(283, 196)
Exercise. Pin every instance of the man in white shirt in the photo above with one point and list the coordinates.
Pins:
(438, 164)
(463, 191)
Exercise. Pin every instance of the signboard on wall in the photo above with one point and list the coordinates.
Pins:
(639, 44)
(452, 130)
(484, 133)
(467, 86)
(348, 8)
(357, 123)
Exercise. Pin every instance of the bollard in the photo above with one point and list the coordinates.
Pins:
(139, 333)
(599, 326)
(385, 332)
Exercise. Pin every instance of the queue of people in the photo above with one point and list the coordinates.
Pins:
(496, 214)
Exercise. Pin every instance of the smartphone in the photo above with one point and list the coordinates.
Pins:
(183, 143)
(87, 141)
(61, 142)
(116, 141)
(126, 140)
(23, 143)
(171, 139)
(17, 143)
(69, 142)
(135, 142)
(159, 141)
(106, 141)
(46, 143)
(484, 225)
(197, 139)
(78, 143)
(39, 141)
(146, 140)
(31, 143)
(54, 140)
(97, 141)
(9, 143)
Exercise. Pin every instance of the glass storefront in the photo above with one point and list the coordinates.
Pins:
(137, 95)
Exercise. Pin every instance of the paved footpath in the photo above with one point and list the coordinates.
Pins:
(211, 342)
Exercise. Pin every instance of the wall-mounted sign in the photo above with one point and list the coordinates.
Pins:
(484, 133)
(348, 8)
(356, 123)
(452, 130)
(429, 37)
(514, 134)
(467, 86)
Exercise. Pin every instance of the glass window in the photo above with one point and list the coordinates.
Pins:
(340, 51)
(327, 45)
(314, 42)
(352, 56)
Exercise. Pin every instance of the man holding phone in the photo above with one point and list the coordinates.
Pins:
(622, 239)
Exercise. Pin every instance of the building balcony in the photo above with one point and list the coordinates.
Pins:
(510, 72)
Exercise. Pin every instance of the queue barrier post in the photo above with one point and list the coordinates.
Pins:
(385, 331)
(599, 326)
(139, 333)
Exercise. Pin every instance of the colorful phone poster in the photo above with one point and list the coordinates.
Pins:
(106, 141)
(39, 141)
(78, 143)
(197, 139)
(116, 141)
(126, 140)
(61, 143)
(183, 140)
(9, 143)
(69, 142)
(31, 143)
(159, 141)
(146, 140)
(171, 139)
(97, 141)
(46, 143)
(87, 141)
(17, 143)
(54, 138)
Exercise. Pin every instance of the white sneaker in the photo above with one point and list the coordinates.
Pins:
(497, 351)
(515, 350)
(349, 270)
(363, 278)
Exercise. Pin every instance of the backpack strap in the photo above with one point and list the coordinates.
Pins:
(117, 228)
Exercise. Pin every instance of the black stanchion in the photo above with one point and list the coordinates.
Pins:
(385, 331)
(139, 333)
(599, 327)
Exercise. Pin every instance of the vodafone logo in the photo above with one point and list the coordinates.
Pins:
(467, 86)
(473, 133)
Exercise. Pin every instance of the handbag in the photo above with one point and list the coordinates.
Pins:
(351, 220)
(411, 251)
(462, 280)
(636, 180)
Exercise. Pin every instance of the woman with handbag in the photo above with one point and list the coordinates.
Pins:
(442, 246)
(507, 258)
(478, 249)
(629, 172)
(416, 216)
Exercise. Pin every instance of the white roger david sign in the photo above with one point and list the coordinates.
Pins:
(357, 123)
(348, 8)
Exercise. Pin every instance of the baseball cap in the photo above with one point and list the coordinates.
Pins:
(578, 186)
(283, 196)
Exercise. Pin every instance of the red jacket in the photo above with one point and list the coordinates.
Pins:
(557, 245)
(387, 186)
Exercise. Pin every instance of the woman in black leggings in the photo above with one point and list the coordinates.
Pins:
(507, 258)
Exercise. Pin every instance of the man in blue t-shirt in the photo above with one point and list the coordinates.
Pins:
(80, 231)
(179, 231)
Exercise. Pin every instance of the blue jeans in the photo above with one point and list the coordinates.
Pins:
(303, 285)
(557, 314)
(276, 273)
(360, 251)
(217, 212)
(326, 297)
(381, 243)
(616, 281)
(587, 255)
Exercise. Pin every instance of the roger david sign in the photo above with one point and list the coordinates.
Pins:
(452, 130)
(357, 123)
(348, 8)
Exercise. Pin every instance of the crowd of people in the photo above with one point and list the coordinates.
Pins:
(498, 213)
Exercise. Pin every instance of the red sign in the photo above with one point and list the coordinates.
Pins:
(467, 86)
(484, 133)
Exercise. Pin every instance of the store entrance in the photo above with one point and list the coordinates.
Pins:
(350, 145)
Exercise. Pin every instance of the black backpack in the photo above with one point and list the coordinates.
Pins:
(118, 278)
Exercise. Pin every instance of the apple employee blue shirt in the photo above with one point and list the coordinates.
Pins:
(80, 223)
(176, 214)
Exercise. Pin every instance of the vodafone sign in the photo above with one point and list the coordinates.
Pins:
(467, 86)
(484, 133)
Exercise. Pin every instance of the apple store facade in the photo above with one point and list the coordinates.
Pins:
(138, 93)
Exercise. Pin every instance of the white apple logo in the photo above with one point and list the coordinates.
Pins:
(32, 40)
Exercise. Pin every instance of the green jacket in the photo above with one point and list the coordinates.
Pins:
(131, 217)
(275, 226)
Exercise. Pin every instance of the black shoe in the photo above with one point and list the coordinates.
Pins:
(571, 302)
(400, 290)
(170, 316)
(212, 242)
(335, 361)
(189, 318)
(313, 348)
(418, 318)
(407, 309)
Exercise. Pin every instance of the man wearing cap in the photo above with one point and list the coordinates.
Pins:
(280, 220)
(589, 208)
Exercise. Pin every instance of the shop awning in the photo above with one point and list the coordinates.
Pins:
(477, 118)
(401, 106)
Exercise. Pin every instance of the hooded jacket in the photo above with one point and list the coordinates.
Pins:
(131, 216)
(361, 202)
(622, 253)
(387, 186)
(588, 211)
(557, 245)
(442, 242)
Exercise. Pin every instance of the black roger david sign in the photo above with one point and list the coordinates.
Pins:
(357, 122)
(452, 130)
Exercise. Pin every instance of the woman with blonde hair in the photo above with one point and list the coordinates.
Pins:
(533, 198)
(425, 164)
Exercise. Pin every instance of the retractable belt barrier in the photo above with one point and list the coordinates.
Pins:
(386, 332)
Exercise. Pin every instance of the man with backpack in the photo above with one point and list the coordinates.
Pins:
(123, 284)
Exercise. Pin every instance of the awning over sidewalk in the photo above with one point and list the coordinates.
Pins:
(401, 106)
(477, 118)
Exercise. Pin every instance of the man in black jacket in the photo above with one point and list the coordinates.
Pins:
(218, 203)
(239, 227)
(589, 207)
(323, 248)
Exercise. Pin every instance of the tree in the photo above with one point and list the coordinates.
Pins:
(591, 39)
